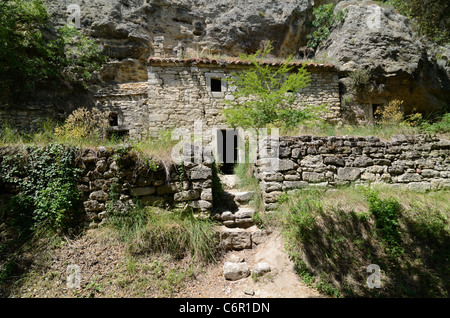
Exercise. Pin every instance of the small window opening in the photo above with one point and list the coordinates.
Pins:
(216, 85)
(113, 120)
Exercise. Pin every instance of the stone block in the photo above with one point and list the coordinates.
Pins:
(335, 161)
(363, 161)
(272, 176)
(313, 176)
(235, 271)
(142, 191)
(235, 239)
(201, 173)
(99, 196)
(93, 206)
(188, 195)
(409, 177)
(348, 173)
(260, 269)
(206, 194)
(200, 204)
(289, 185)
(270, 186)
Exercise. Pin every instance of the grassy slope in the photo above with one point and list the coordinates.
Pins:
(334, 235)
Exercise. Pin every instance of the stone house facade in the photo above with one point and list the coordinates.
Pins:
(181, 91)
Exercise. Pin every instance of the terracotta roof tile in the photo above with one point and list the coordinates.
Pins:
(229, 62)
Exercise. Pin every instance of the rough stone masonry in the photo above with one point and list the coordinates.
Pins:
(416, 162)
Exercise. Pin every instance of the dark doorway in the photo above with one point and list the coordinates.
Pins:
(227, 147)
(376, 111)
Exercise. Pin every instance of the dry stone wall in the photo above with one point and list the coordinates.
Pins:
(416, 162)
(118, 173)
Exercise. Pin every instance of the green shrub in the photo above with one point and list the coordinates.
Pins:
(46, 180)
(30, 56)
(386, 214)
(324, 20)
(359, 80)
(265, 95)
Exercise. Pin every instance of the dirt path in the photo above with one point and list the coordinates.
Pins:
(281, 282)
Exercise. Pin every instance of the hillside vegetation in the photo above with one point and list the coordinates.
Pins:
(333, 236)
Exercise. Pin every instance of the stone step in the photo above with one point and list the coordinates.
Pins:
(239, 197)
(242, 218)
(239, 239)
(228, 181)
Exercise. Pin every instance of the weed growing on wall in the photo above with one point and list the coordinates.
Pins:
(324, 20)
(44, 179)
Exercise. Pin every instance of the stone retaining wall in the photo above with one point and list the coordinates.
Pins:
(120, 177)
(417, 162)
(116, 172)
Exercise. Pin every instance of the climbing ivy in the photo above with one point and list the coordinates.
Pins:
(43, 180)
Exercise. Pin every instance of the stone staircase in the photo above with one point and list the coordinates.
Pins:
(238, 230)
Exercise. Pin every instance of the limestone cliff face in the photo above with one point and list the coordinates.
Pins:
(126, 28)
(371, 37)
(402, 65)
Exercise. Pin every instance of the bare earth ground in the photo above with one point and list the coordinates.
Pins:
(281, 282)
(102, 264)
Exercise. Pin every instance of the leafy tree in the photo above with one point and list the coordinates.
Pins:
(265, 95)
(30, 53)
(432, 17)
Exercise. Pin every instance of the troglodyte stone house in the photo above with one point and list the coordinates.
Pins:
(182, 91)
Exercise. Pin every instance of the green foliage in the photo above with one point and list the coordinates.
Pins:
(74, 56)
(431, 17)
(265, 95)
(301, 217)
(331, 235)
(82, 124)
(45, 178)
(386, 214)
(359, 80)
(152, 230)
(324, 21)
(29, 56)
(440, 126)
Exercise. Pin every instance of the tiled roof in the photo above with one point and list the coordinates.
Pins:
(231, 62)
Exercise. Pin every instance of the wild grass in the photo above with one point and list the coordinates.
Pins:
(158, 147)
(333, 235)
(150, 230)
(246, 180)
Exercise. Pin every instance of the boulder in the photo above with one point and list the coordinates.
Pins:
(235, 271)
(260, 269)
